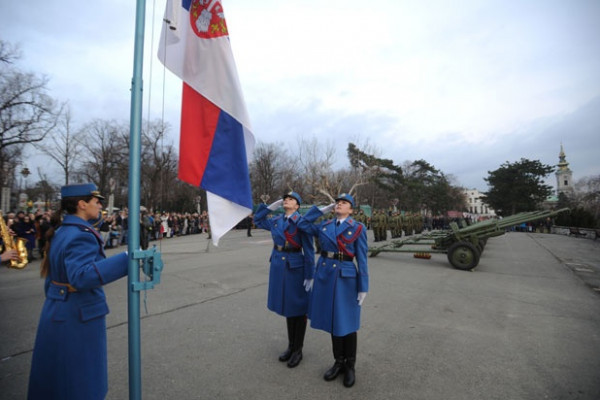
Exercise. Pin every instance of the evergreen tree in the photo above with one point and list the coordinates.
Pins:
(517, 187)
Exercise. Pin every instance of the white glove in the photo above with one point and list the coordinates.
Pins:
(361, 297)
(327, 209)
(275, 205)
(308, 284)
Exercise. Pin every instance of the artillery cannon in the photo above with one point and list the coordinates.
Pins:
(462, 245)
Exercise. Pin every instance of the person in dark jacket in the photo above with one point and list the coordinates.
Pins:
(24, 228)
(291, 271)
(69, 356)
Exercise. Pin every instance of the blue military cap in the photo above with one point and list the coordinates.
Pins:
(293, 195)
(81, 190)
(346, 197)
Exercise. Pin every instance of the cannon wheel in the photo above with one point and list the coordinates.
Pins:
(482, 243)
(463, 256)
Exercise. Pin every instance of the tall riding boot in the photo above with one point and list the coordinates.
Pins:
(290, 330)
(350, 354)
(337, 343)
(298, 342)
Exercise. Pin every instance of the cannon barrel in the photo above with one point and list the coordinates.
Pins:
(464, 245)
(483, 230)
(511, 220)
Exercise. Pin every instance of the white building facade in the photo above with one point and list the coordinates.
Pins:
(476, 207)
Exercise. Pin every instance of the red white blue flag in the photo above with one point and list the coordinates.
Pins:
(216, 141)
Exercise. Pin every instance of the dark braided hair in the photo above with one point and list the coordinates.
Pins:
(68, 205)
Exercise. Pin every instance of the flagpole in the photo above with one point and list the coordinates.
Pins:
(133, 239)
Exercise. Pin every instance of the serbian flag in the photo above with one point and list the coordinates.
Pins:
(216, 141)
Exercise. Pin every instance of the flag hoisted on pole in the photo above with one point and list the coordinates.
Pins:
(216, 141)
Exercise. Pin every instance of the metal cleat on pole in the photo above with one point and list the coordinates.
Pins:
(152, 266)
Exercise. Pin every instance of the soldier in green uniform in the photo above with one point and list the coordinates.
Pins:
(385, 225)
(361, 217)
(418, 223)
(375, 221)
(407, 223)
(392, 225)
(400, 227)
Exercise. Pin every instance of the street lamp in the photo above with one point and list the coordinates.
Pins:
(25, 173)
(198, 202)
(22, 196)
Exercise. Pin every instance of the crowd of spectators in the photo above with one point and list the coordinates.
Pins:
(32, 227)
(165, 225)
(112, 227)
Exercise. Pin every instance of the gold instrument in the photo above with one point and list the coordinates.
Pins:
(10, 244)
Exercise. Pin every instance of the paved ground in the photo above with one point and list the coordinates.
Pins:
(524, 325)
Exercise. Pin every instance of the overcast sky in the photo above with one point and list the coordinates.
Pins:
(465, 85)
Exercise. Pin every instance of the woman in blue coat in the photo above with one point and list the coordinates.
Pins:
(69, 357)
(341, 281)
(291, 272)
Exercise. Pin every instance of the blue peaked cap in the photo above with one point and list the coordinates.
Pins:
(346, 197)
(81, 190)
(293, 195)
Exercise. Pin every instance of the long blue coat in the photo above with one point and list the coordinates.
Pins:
(334, 307)
(288, 270)
(69, 356)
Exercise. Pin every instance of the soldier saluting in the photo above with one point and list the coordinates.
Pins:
(341, 281)
(291, 271)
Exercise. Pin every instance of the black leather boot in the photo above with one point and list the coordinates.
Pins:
(337, 344)
(285, 356)
(350, 354)
(298, 342)
(349, 375)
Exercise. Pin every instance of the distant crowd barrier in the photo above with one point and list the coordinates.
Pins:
(588, 233)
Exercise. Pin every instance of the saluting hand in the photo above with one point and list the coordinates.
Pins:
(275, 205)
(327, 209)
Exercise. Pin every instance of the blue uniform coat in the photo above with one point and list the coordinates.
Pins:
(69, 356)
(334, 307)
(288, 270)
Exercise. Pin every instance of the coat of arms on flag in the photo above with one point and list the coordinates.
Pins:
(207, 18)
(216, 140)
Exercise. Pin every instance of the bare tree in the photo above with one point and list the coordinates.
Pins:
(43, 189)
(27, 112)
(272, 171)
(159, 166)
(64, 145)
(316, 162)
(105, 156)
(587, 193)
(8, 53)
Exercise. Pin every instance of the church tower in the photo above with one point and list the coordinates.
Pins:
(564, 175)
